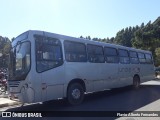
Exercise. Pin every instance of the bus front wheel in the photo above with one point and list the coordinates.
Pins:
(75, 94)
(136, 82)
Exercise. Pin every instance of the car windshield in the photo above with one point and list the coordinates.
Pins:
(19, 61)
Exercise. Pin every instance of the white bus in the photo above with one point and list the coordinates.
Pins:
(46, 66)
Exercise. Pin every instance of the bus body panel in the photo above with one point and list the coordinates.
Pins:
(53, 83)
(147, 72)
(109, 72)
(124, 74)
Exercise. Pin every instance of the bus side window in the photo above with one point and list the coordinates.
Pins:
(142, 58)
(111, 55)
(75, 51)
(95, 54)
(148, 58)
(123, 56)
(133, 57)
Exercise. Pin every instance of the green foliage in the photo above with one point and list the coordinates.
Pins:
(148, 38)
(5, 45)
(157, 52)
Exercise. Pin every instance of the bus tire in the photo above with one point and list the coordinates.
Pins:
(136, 82)
(75, 93)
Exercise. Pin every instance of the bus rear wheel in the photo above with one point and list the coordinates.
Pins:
(75, 94)
(136, 82)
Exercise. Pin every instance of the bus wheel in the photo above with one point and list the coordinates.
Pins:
(75, 94)
(136, 82)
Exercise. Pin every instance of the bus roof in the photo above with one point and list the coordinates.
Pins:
(65, 37)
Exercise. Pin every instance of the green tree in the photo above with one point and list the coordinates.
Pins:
(124, 37)
(157, 52)
(5, 45)
(88, 37)
(81, 36)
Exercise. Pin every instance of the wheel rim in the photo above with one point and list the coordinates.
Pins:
(76, 93)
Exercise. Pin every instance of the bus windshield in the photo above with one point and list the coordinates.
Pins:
(19, 61)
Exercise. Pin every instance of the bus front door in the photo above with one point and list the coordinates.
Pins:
(53, 83)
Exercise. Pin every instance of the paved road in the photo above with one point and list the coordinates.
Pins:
(121, 99)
